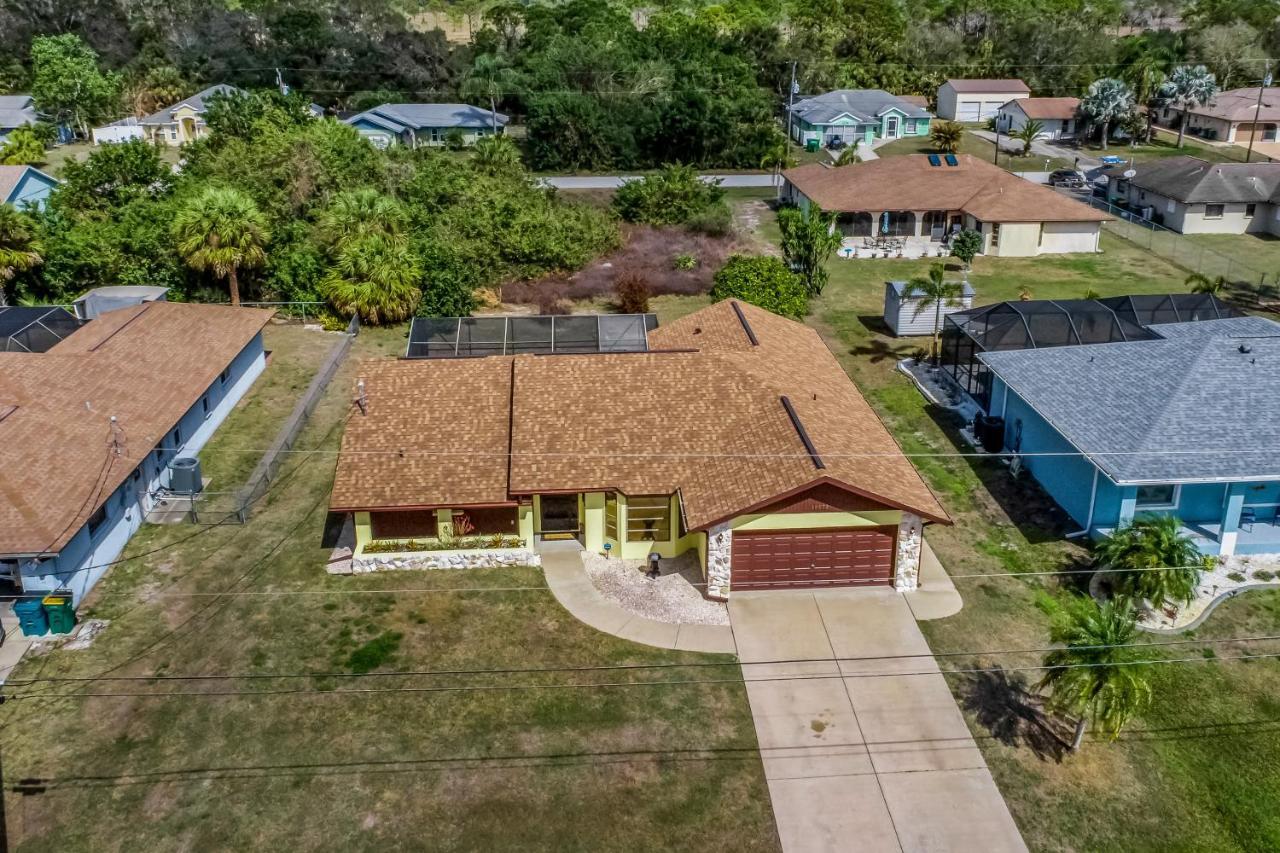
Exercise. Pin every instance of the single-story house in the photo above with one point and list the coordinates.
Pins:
(25, 187)
(977, 100)
(416, 125)
(1194, 196)
(902, 313)
(1232, 116)
(92, 417)
(182, 122)
(1059, 117)
(16, 111)
(862, 115)
(746, 444)
(931, 196)
(1185, 422)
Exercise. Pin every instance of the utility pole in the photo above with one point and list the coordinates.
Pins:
(791, 98)
(1257, 111)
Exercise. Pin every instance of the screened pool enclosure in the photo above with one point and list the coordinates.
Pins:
(1036, 324)
(35, 329)
(473, 337)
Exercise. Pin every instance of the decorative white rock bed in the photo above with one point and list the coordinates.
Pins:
(1215, 587)
(673, 597)
(488, 558)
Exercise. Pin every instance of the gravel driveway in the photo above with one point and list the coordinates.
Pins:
(675, 596)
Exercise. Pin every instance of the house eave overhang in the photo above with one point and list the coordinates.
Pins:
(825, 481)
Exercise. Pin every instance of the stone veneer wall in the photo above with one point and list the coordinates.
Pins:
(910, 535)
(719, 560)
(445, 560)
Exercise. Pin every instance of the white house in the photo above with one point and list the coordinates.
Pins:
(902, 308)
(977, 100)
(1058, 117)
(119, 131)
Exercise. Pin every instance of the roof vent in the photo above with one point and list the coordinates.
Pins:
(1245, 349)
(697, 330)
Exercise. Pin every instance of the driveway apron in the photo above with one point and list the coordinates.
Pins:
(864, 749)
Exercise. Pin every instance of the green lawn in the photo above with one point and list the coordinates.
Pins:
(58, 156)
(977, 147)
(608, 768)
(1165, 144)
(1258, 251)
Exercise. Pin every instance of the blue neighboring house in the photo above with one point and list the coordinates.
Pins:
(25, 187)
(416, 125)
(856, 115)
(93, 413)
(1169, 418)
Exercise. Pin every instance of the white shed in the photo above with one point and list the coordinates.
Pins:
(900, 309)
(118, 131)
(977, 100)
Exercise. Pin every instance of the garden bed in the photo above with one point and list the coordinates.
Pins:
(1229, 577)
(675, 596)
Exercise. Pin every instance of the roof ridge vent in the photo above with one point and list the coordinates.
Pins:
(800, 431)
(746, 327)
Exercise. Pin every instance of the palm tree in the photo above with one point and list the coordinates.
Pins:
(1129, 554)
(359, 213)
(850, 155)
(490, 77)
(496, 155)
(1098, 675)
(777, 157)
(1189, 86)
(1028, 134)
(376, 277)
(222, 231)
(934, 292)
(20, 249)
(1107, 100)
(947, 136)
(1203, 284)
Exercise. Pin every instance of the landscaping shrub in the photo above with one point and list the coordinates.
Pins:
(684, 261)
(714, 221)
(674, 196)
(966, 246)
(632, 293)
(1236, 576)
(1264, 575)
(764, 281)
(457, 543)
(809, 237)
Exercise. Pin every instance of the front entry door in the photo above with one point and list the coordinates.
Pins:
(891, 127)
(558, 517)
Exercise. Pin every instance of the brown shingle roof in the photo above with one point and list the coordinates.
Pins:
(146, 365)
(1242, 105)
(709, 424)
(911, 183)
(993, 87)
(1048, 108)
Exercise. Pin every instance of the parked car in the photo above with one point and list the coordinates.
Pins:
(1066, 178)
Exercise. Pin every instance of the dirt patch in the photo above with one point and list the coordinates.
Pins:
(646, 251)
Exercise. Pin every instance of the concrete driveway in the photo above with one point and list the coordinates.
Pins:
(862, 754)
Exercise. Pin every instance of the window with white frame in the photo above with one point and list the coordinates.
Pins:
(1161, 496)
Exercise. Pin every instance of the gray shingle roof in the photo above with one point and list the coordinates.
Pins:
(418, 116)
(1188, 407)
(899, 287)
(196, 102)
(1192, 180)
(865, 105)
(16, 111)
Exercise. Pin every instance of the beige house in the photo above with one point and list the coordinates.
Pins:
(184, 121)
(1233, 116)
(977, 100)
(1058, 117)
(1194, 196)
(932, 196)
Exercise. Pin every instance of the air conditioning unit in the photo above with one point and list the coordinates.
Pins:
(1147, 212)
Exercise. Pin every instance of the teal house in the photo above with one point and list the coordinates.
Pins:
(25, 187)
(863, 115)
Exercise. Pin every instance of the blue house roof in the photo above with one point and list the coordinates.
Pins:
(1201, 403)
(400, 117)
(863, 105)
(25, 186)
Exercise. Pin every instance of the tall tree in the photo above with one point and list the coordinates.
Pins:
(491, 77)
(1189, 86)
(222, 231)
(67, 84)
(934, 291)
(376, 278)
(809, 238)
(20, 249)
(1108, 100)
(359, 213)
(1098, 675)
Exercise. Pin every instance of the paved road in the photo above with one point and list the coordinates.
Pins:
(612, 182)
(882, 763)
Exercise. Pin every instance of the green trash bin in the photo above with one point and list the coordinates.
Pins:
(62, 616)
(811, 145)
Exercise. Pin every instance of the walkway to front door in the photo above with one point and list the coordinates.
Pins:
(862, 754)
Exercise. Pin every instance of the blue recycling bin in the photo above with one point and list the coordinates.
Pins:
(31, 617)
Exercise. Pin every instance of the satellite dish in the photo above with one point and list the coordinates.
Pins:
(1129, 173)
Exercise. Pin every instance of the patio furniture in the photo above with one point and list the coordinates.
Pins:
(1247, 518)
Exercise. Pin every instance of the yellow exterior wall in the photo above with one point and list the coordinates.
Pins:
(815, 520)
(444, 523)
(525, 515)
(593, 521)
(1018, 240)
(364, 531)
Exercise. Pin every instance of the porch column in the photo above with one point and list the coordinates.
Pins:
(524, 515)
(1128, 503)
(593, 522)
(918, 226)
(1231, 519)
(444, 523)
(877, 222)
(364, 532)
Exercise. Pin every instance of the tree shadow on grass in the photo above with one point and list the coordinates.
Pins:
(1005, 706)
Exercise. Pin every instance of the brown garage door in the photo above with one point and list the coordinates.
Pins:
(812, 558)
(1262, 132)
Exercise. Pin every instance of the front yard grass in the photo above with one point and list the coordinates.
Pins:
(977, 147)
(511, 768)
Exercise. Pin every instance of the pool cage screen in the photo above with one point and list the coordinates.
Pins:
(474, 337)
(35, 329)
(1036, 324)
